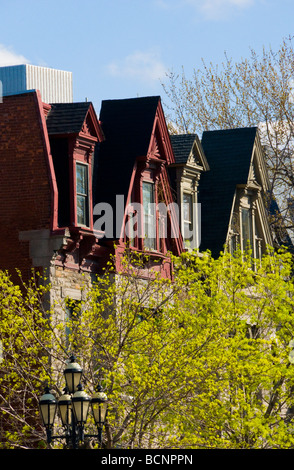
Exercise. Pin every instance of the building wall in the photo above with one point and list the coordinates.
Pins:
(25, 197)
(67, 284)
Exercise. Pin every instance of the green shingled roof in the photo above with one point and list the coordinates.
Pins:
(228, 153)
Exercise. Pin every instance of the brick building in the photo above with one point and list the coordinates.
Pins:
(59, 162)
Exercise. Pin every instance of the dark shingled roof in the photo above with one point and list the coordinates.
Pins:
(66, 118)
(182, 146)
(127, 125)
(228, 153)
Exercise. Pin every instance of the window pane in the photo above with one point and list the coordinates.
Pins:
(258, 253)
(188, 218)
(148, 196)
(246, 228)
(234, 240)
(72, 316)
(82, 194)
(81, 179)
(187, 199)
(187, 231)
(149, 215)
(258, 241)
(81, 210)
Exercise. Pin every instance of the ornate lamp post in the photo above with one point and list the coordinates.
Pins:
(47, 405)
(99, 410)
(73, 407)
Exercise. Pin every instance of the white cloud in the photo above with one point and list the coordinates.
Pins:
(161, 4)
(209, 9)
(221, 3)
(144, 66)
(9, 57)
(215, 9)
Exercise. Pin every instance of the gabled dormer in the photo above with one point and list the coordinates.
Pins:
(132, 177)
(185, 172)
(151, 190)
(249, 224)
(73, 131)
(233, 193)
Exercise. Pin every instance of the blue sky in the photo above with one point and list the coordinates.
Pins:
(124, 48)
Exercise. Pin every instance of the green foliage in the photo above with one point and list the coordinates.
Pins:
(25, 344)
(247, 325)
(200, 362)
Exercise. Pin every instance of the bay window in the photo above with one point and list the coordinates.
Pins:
(146, 223)
(245, 228)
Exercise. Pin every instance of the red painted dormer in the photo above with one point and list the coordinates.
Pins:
(150, 184)
(74, 131)
(133, 163)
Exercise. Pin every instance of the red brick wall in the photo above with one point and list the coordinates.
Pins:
(25, 194)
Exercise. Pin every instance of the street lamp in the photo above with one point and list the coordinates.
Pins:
(73, 374)
(65, 408)
(99, 409)
(73, 407)
(47, 404)
(81, 402)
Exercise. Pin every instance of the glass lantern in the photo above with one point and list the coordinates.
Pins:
(80, 403)
(65, 408)
(48, 405)
(99, 407)
(73, 373)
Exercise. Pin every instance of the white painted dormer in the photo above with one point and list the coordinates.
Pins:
(249, 226)
(190, 163)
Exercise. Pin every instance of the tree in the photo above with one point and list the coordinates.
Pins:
(246, 395)
(25, 341)
(257, 91)
(199, 362)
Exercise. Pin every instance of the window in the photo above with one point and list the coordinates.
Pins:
(148, 222)
(259, 244)
(233, 243)
(234, 238)
(82, 194)
(258, 248)
(149, 216)
(72, 318)
(130, 228)
(188, 218)
(246, 228)
(253, 332)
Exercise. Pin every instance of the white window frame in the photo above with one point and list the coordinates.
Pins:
(248, 203)
(189, 187)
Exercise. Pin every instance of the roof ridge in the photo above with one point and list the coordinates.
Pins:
(232, 129)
